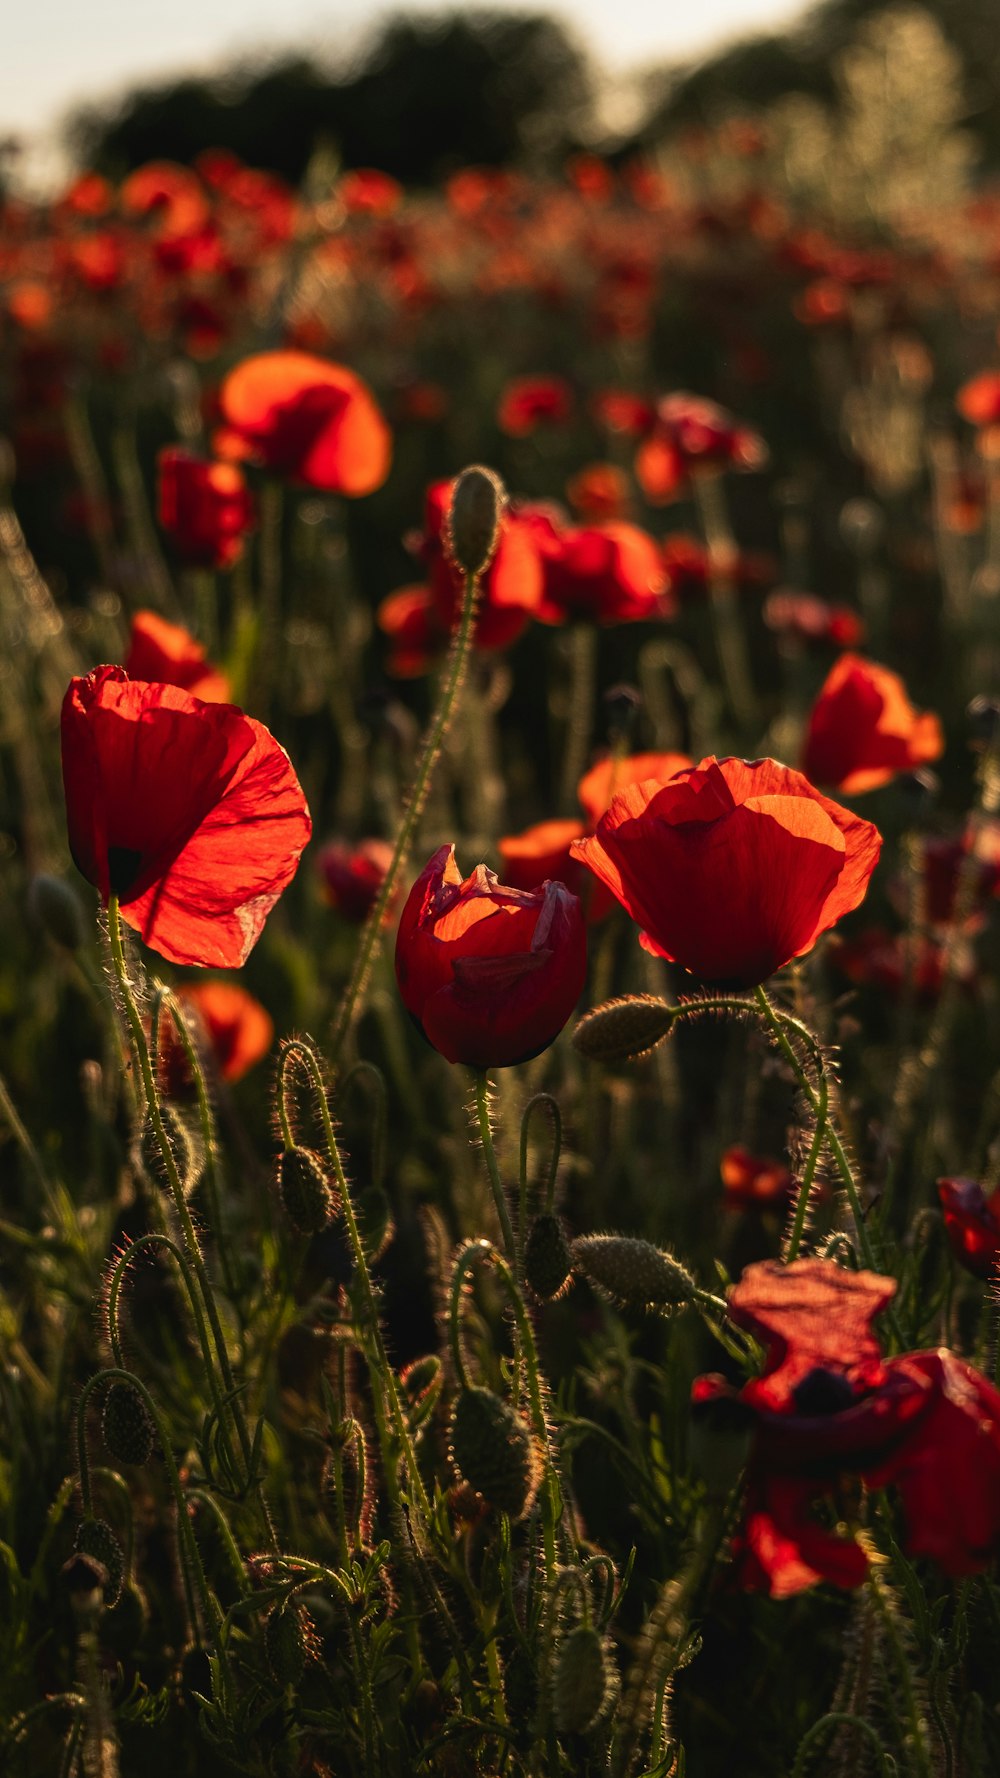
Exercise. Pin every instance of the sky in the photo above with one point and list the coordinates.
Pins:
(56, 54)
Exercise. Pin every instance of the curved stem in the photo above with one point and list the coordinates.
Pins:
(375, 924)
(809, 1173)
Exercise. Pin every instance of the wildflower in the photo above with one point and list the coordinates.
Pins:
(205, 508)
(238, 1033)
(308, 419)
(863, 730)
(753, 1182)
(731, 868)
(490, 973)
(189, 813)
(690, 435)
(166, 653)
(973, 1223)
(528, 402)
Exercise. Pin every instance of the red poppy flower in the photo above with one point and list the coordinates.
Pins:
(598, 787)
(542, 853)
(752, 1182)
(973, 1223)
(205, 508)
(599, 491)
(863, 730)
(620, 411)
(353, 875)
(490, 973)
(605, 573)
(190, 813)
(691, 434)
(806, 618)
(310, 420)
(511, 589)
(166, 653)
(529, 402)
(978, 401)
(685, 562)
(885, 960)
(238, 1033)
(368, 192)
(942, 863)
(733, 867)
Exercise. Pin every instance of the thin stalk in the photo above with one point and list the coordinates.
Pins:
(492, 1167)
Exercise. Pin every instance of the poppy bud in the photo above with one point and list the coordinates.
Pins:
(375, 1221)
(356, 1498)
(53, 905)
(581, 1681)
(494, 1452)
(126, 1425)
(180, 1144)
(634, 1273)
(284, 1645)
(306, 1194)
(95, 1538)
(490, 973)
(624, 1030)
(548, 1262)
(421, 1383)
(472, 528)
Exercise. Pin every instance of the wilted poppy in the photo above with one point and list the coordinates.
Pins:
(190, 813)
(308, 419)
(237, 1030)
(166, 653)
(863, 730)
(352, 876)
(733, 867)
(490, 973)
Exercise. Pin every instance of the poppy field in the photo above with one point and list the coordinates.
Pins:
(500, 1038)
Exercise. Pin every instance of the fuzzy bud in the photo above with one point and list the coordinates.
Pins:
(285, 1645)
(306, 1194)
(95, 1538)
(633, 1273)
(472, 528)
(624, 1030)
(494, 1452)
(375, 1222)
(581, 1681)
(548, 1262)
(55, 907)
(126, 1425)
(181, 1147)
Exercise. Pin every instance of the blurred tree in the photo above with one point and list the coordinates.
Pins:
(428, 95)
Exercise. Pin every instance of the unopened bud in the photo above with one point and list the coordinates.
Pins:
(375, 1222)
(548, 1262)
(95, 1538)
(581, 1680)
(624, 1030)
(421, 1383)
(633, 1272)
(180, 1144)
(55, 907)
(306, 1194)
(472, 527)
(494, 1452)
(126, 1425)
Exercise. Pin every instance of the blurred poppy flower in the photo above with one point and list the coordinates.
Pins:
(352, 876)
(689, 435)
(863, 730)
(308, 419)
(827, 1408)
(206, 509)
(620, 411)
(598, 491)
(943, 864)
(888, 961)
(752, 1182)
(365, 191)
(978, 401)
(190, 813)
(733, 867)
(237, 1030)
(164, 652)
(607, 573)
(489, 973)
(685, 563)
(973, 1223)
(172, 194)
(806, 618)
(529, 402)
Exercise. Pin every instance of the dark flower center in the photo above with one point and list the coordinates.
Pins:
(823, 1392)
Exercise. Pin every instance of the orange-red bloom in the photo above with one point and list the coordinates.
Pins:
(353, 875)
(601, 784)
(308, 419)
(752, 1182)
(238, 1033)
(490, 973)
(529, 402)
(166, 653)
(978, 401)
(733, 867)
(206, 509)
(689, 435)
(190, 813)
(863, 730)
(606, 573)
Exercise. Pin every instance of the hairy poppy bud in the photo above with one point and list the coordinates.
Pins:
(581, 1681)
(180, 1144)
(494, 1452)
(54, 906)
(624, 1030)
(490, 973)
(633, 1272)
(95, 1538)
(472, 528)
(126, 1425)
(307, 1197)
(548, 1261)
(285, 1645)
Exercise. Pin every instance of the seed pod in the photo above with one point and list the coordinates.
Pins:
(180, 1144)
(356, 1500)
(95, 1538)
(285, 1645)
(126, 1426)
(548, 1262)
(624, 1030)
(307, 1196)
(633, 1272)
(581, 1679)
(472, 527)
(55, 907)
(493, 1450)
